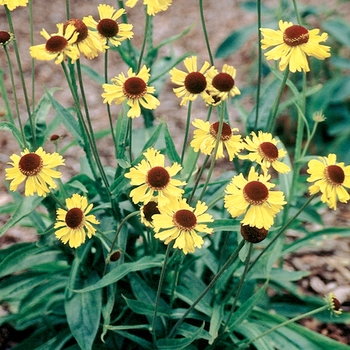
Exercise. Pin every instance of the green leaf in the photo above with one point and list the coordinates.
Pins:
(27, 205)
(144, 308)
(339, 29)
(140, 341)
(245, 309)
(180, 343)
(170, 146)
(216, 320)
(225, 225)
(83, 312)
(234, 41)
(122, 270)
(15, 132)
(91, 73)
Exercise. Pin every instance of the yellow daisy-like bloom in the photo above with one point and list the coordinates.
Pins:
(154, 180)
(254, 198)
(58, 46)
(148, 210)
(107, 26)
(292, 43)
(331, 179)
(153, 6)
(222, 84)
(89, 43)
(181, 223)
(74, 224)
(333, 303)
(133, 89)
(193, 83)
(36, 168)
(205, 136)
(12, 4)
(263, 150)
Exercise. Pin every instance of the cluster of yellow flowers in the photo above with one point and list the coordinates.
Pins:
(158, 191)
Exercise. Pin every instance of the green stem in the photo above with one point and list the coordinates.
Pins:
(4, 93)
(21, 74)
(285, 226)
(215, 151)
(143, 47)
(107, 104)
(159, 290)
(292, 320)
(295, 5)
(198, 178)
(188, 119)
(31, 21)
(15, 97)
(258, 88)
(201, 10)
(232, 258)
(274, 111)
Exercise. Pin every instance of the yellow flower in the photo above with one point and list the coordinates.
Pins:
(133, 89)
(181, 223)
(292, 43)
(154, 180)
(107, 26)
(12, 4)
(74, 224)
(263, 150)
(58, 46)
(89, 43)
(222, 84)
(148, 210)
(193, 83)
(333, 303)
(331, 179)
(36, 168)
(205, 136)
(253, 198)
(153, 6)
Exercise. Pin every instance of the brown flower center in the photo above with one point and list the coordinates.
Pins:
(223, 82)
(268, 151)
(150, 209)
(158, 178)
(226, 132)
(184, 219)
(30, 164)
(56, 43)
(74, 218)
(134, 88)
(296, 35)
(4, 37)
(108, 27)
(80, 27)
(334, 175)
(255, 192)
(195, 82)
(253, 234)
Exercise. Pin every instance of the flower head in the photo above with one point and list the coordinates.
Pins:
(153, 6)
(148, 210)
(292, 43)
(74, 224)
(333, 304)
(330, 178)
(254, 198)
(181, 223)
(89, 43)
(205, 136)
(222, 84)
(36, 168)
(5, 37)
(133, 89)
(12, 4)
(108, 27)
(58, 46)
(253, 234)
(193, 83)
(153, 179)
(263, 150)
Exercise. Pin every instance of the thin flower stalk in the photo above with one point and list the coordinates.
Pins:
(187, 127)
(204, 28)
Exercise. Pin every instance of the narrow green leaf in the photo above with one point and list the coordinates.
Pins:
(216, 320)
(15, 132)
(170, 146)
(144, 308)
(122, 270)
(83, 312)
(245, 309)
(146, 345)
(338, 29)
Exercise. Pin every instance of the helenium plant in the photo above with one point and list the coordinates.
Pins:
(181, 244)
